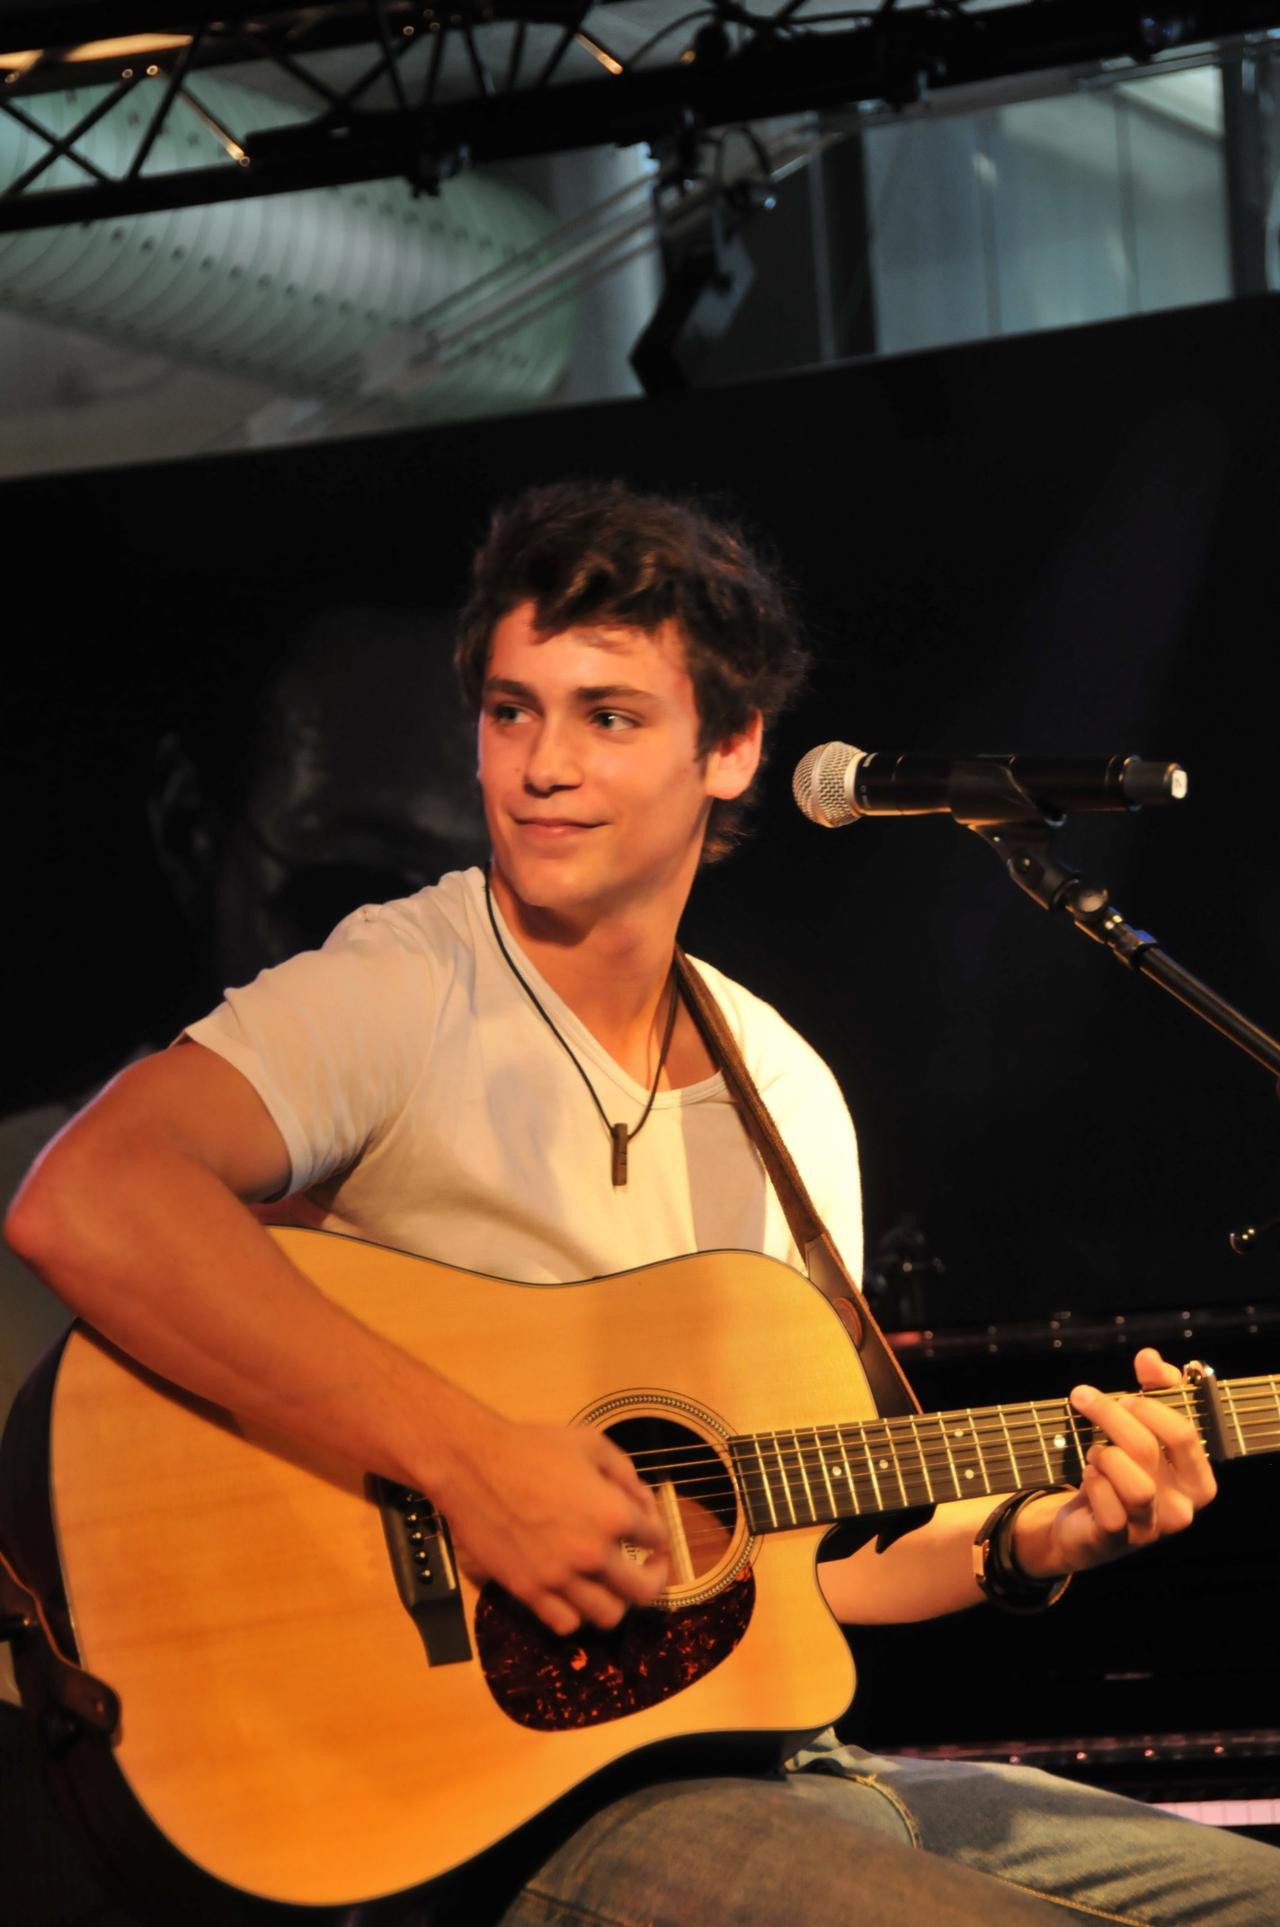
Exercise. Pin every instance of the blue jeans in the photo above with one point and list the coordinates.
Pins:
(848, 1837)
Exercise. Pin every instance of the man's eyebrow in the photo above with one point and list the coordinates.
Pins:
(612, 692)
(586, 693)
(506, 686)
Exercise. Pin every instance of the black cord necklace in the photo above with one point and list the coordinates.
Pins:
(620, 1136)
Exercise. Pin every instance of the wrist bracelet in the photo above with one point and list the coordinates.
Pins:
(995, 1569)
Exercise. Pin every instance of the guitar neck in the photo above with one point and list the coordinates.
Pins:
(817, 1475)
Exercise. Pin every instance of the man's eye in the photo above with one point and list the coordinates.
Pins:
(613, 719)
(504, 712)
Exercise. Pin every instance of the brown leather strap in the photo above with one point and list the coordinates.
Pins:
(826, 1268)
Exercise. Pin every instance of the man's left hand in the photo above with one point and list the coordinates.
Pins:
(1145, 1478)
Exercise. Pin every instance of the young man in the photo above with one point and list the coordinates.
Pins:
(501, 1074)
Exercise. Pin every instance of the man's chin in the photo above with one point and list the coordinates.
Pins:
(551, 880)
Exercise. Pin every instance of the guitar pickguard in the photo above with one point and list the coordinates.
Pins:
(553, 1684)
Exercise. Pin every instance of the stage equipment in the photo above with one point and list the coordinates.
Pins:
(314, 294)
(987, 797)
(708, 270)
(396, 87)
(901, 1278)
(835, 784)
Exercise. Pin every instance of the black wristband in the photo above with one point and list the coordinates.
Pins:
(996, 1571)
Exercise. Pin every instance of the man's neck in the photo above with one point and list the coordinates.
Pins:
(612, 970)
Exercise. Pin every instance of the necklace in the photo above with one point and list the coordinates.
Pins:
(619, 1135)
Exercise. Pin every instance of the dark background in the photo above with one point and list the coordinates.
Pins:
(1057, 543)
(1061, 543)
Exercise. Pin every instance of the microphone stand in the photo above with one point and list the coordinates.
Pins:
(990, 801)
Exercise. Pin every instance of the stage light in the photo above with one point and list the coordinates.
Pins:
(141, 43)
(610, 62)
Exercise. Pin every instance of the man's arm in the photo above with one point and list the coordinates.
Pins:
(1149, 1481)
(135, 1215)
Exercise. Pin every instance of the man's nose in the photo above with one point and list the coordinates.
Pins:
(554, 763)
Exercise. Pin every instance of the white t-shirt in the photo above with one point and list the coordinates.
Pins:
(426, 1105)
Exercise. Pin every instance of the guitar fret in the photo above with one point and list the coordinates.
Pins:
(946, 1443)
(804, 1477)
(871, 1467)
(786, 1482)
(1190, 1410)
(924, 1468)
(976, 1436)
(1044, 1450)
(851, 1482)
(897, 1463)
(1075, 1435)
(826, 1476)
(764, 1476)
(839, 1471)
(1015, 1473)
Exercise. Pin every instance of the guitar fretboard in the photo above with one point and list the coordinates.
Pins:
(816, 1475)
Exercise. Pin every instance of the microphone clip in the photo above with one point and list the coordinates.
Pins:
(1025, 847)
(982, 793)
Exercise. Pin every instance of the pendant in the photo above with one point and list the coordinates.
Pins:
(619, 1134)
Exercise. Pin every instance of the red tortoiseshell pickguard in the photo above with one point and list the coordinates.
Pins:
(553, 1683)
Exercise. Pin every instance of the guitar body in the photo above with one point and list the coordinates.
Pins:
(287, 1724)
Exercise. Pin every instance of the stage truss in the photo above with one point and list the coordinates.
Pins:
(371, 89)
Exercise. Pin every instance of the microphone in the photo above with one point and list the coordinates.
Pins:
(835, 784)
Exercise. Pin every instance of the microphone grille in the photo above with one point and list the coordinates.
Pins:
(819, 784)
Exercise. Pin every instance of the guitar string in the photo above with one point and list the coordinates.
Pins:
(1027, 1418)
(938, 1452)
(934, 1457)
(887, 1435)
(822, 1513)
(856, 1484)
(804, 1445)
(1023, 1423)
(861, 1500)
(790, 1457)
(932, 1452)
(935, 1452)
(853, 1484)
(1027, 1415)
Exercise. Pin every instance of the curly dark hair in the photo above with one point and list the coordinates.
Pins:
(583, 551)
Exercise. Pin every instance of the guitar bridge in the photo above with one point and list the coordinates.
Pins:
(426, 1576)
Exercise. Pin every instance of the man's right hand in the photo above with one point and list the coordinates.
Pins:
(545, 1510)
(133, 1217)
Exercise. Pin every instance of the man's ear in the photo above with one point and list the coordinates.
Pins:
(183, 825)
(732, 764)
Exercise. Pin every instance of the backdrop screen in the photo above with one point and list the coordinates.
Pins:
(1058, 544)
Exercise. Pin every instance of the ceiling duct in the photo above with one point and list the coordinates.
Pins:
(294, 290)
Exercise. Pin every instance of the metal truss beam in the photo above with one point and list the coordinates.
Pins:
(789, 62)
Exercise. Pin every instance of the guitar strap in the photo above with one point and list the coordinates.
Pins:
(825, 1266)
(823, 1263)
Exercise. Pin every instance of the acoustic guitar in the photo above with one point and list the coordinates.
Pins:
(297, 1689)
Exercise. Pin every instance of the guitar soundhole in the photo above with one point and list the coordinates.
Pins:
(695, 1494)
(554, 1684)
